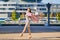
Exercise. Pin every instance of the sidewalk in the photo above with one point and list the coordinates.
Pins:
(44, 35)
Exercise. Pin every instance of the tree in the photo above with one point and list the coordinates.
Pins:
(14, 15)
(22, 16)
(58, 16)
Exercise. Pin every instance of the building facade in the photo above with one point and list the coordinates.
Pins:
(6, 8)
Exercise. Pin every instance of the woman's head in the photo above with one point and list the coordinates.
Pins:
(29, 10)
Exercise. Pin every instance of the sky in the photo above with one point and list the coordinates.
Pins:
(51, 1)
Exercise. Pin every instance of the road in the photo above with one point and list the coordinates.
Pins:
(34, 29)
(38, 33)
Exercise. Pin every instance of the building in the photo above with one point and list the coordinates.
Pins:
(6, 8)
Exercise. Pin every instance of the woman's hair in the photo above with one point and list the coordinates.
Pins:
(29, 9)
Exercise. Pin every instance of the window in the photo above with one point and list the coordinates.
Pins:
(42, 9)
(2, 8)
(21, 5)
(24, 9)
(11, 8)
(9, 14)
(26, 5)
(21, 9)
(11, 4)
(40, 5)
(38, 1)
(32, 1)
(30, 5)
(18, 9)
(4, 4)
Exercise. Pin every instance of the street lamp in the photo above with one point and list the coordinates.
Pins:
(48, 7)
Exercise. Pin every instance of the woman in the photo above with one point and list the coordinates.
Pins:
(33, 17)
(27, 25)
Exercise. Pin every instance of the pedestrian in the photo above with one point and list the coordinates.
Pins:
(29, 15)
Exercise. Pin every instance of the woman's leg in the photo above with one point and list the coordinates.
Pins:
(28, 27)
(24, 29)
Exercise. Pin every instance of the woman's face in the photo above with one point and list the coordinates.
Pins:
(29, 10)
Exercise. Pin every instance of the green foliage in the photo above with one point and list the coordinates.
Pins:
(2, 22)
(58, 16)
(14, 15)
(22, 16)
